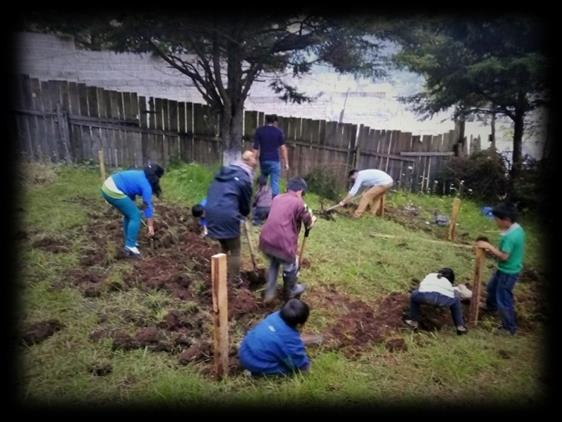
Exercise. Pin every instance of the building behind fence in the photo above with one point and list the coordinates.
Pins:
(65, 121)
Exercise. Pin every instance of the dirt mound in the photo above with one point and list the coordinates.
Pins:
(51, 245)
(39, 331)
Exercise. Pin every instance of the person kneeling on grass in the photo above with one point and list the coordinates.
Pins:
(437, 289)
(274, 345)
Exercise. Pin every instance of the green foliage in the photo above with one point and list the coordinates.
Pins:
(326, 181)
(484, 172)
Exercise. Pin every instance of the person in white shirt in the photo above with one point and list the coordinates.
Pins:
(375, 184)
(437, 289)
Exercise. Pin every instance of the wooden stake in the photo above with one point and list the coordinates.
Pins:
(475, 301)
(220, 314)
(453, 222)
(102, 165)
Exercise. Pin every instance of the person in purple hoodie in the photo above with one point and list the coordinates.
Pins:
(279, 239)
(262, 202)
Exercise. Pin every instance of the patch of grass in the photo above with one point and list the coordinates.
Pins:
(437, 368)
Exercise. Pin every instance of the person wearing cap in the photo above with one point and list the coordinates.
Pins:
(228, 202)
(509, 254)
(375, 184)
(120, 190)
(279, 238)
(269, 145)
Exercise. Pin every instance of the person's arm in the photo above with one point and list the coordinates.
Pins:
(284, 156)
(149, 209)
(150, 224)
(245, 198)
(500, 255)
(352, 192)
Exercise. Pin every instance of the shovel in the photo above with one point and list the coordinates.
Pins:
(306, 233)
(247, 230)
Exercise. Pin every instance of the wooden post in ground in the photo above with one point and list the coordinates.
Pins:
(453, 223)
(102, 165)
(476, 284)
(220, 314)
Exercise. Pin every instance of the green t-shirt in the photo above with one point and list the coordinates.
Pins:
(512, 242)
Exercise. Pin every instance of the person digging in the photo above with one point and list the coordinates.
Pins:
(279, 239)
(375, 184)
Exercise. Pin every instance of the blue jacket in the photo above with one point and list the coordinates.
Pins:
(273, 348)
(133, 183)
(228, 201)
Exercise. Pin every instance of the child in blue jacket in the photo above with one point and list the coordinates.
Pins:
(274, 346)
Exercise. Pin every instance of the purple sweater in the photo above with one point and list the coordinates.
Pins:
(279, 235)
(263, 197)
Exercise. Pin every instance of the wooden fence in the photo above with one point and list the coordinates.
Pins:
(66, 121)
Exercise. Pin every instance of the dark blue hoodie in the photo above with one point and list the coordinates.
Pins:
(228, 201)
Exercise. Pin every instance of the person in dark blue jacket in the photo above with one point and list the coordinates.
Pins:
(274, 346)
(228, 202)
(120, 190)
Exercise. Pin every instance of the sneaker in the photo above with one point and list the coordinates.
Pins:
(461, 330)
(411, 323)
(132, 251)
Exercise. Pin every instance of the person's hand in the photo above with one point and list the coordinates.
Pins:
(314, 218)
(483, 245)
(150, 231)
(287, 166)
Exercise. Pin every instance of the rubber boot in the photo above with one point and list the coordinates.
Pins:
(271, 283)
(291, 289)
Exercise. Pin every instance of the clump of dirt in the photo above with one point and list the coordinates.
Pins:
(39, 331)
(396, 345)
(100, 369)
(51, 245)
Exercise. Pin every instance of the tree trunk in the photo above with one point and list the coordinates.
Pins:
(517, 143)
(231, 135)
(493, 134)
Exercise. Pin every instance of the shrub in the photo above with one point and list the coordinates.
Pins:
(484, 172)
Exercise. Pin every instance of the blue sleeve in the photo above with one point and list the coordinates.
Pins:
(297, 354)
(245, 198)
(147, 198)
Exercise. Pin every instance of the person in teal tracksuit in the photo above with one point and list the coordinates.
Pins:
(120, 190)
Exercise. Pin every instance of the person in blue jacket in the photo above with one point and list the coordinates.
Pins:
(274, 345)
(228, 203)
(120, 190)
(198, 212)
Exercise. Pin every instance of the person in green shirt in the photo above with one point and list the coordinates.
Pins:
(509, 254)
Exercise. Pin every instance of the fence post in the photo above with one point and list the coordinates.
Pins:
(63, 125)
(477, 280)
(453, 223)
(220, 314)
(102, 165)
